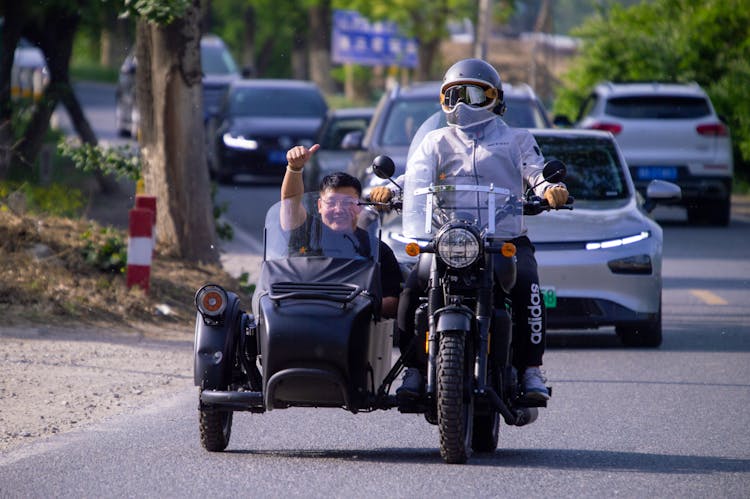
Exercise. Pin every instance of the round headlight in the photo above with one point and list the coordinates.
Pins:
(458, 247)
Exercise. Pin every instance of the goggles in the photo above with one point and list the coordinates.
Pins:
(473, 95)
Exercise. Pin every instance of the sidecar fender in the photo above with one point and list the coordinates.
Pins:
(214, 347)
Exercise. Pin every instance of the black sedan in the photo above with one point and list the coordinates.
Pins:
(258, 122)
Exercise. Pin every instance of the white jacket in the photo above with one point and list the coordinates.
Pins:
(491, 153)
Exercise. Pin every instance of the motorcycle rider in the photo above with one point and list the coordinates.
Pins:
(339, 210)
(478, 147)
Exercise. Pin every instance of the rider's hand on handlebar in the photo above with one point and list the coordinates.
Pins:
(381, 194)
(556, 196)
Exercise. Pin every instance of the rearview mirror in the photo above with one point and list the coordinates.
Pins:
(554, 171)
(383, 167)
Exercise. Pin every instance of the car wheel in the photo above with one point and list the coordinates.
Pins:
(719, 211)
(122, 130)
(641, 334)
(712, 213)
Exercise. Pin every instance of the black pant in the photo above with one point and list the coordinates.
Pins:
(529, 315)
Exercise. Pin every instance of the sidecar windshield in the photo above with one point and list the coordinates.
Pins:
(336, 226)
(429, 205)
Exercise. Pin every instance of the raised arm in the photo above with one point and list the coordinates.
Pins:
(293, 214)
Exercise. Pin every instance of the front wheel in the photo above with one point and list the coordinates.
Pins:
(454, 399)
(486, 432)
(216, 428)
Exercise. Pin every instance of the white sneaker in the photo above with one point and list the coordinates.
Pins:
(533, 384)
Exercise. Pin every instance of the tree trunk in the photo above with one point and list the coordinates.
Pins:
(426, 57)
(11, 33)
(299, 57)
(249, 69)
(172, 145)
(320, 46)
(116, 40)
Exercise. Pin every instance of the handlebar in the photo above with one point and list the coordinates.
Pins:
(536, 205)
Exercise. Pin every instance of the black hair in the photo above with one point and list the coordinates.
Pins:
(340, 179)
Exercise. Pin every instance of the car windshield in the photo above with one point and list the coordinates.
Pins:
(274, 102)
(594, 172)
(404, 119)
(524, 113)
(662, 107)
(337, 127)
(216, 60)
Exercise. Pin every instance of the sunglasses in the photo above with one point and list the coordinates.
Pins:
(340, 201)
(473, 95)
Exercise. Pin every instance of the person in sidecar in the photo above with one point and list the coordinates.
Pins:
(338, 205)
(479, 147)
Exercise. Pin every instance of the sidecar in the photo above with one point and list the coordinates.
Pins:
(315, 338)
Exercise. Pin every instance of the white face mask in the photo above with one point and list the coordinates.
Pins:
(463, 115)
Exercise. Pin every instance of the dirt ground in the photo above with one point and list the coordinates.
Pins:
(55, 379)
(76, 346)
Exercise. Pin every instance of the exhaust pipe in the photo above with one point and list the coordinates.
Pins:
(526, 415)
(521, 416)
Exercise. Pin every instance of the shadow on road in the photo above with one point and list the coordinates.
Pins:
(547, 459)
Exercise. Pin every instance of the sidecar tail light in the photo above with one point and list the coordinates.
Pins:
(211, 300)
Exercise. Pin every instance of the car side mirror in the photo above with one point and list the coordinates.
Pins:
(661, 191)
(352, 141)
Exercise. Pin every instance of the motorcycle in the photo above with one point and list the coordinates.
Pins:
(316, 337)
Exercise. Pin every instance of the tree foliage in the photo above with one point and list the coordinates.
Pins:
(674, 41)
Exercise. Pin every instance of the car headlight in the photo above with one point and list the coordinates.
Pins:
(614, 243)
(458, 246)
(239, 142)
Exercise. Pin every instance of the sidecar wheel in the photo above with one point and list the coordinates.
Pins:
(454, 400)
(216, 428)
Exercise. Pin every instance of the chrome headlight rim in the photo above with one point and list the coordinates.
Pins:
(458, 245)
(211, 300)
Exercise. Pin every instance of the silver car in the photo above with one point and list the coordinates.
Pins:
(670, 132)
(599, 264)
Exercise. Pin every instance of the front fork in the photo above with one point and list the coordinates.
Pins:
(483, 313)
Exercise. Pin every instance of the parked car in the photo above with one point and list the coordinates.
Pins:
(29, 74)
(334, 154)
(599, 264)
(669, 132)
(258, 121)
(219, 69)
(400, 113)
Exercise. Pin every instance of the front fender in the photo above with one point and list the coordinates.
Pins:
(214, 347)
(453, 318)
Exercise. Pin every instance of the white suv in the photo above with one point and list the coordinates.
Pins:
(668, 132)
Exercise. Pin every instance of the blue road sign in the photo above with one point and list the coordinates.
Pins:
(357, 40)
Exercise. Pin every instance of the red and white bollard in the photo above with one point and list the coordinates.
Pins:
(148, 203)
(140, 248)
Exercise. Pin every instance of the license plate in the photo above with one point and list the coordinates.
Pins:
(550, 296)
(277, 157)
(656, 172)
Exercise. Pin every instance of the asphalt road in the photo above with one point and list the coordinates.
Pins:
(667, 422)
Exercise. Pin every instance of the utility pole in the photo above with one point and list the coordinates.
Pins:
(483, 28)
